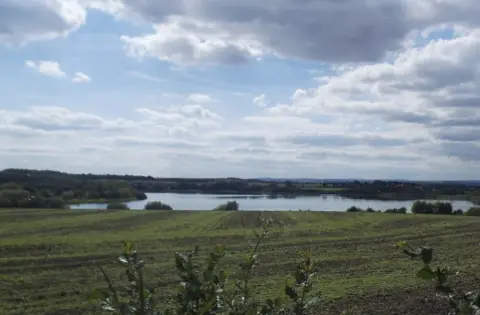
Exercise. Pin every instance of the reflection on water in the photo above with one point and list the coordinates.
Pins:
(266, 203)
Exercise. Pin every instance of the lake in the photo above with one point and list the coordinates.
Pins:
(318, 203)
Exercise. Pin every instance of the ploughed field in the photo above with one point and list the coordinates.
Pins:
(49, 259)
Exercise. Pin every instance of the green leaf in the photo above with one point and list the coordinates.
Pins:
(476, 300)
(127, 248)
(97, 294)
(401, 244)
(426, 273)
(220, 250)
(290, 292)
(426, 254)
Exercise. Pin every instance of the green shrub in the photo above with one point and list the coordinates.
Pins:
(474, 212)
(208, 289)
(467, 303)
(140, 195)
(458, 212)
(11, 186)
(370, 210)
(432, 208)
(395, 210)
(229, 206)
(354, 209)
(117, 206)
(68, 195)
(55, 203)
(5, 203)
(157, 205)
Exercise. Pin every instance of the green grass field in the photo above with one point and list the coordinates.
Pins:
(49, 259)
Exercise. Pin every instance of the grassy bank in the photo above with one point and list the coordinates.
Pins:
(99, 200)
(49, 258)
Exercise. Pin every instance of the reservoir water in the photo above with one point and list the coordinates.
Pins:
(247, 202)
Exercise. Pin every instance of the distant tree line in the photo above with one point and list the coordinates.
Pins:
(424, 207)
(432, 208)
(378, 189)
(45, 189)
(392, 210)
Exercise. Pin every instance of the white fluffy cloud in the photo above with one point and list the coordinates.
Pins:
(260, 100)
(398, 96)
(53, 69)
(431, 91)
(197, 98)
(232, 31)
(48, 68)
(30, 20)
(80, 77)
(186, 42)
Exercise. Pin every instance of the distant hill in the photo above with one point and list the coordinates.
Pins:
(351, 180)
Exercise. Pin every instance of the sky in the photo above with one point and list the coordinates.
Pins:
(371, 89)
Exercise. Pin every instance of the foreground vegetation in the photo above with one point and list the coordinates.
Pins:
(50, 259)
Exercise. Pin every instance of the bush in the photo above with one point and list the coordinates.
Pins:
(460, 302)
(140, 195)
(5, 203)
(395, 210)
(458, 212)
(208, 289)
(11, 186)
(117, 206)
(354, 209)
(474, 212)
(370, 210)
(157, 205)
(229, 206)
(432, 208)
(55, 203)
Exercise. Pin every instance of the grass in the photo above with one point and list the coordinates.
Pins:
(49, 258)
(99, 200)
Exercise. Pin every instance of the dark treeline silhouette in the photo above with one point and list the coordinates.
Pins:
(378, 189)
(47, 189)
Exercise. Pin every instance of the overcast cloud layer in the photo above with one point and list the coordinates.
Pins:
(247, 88)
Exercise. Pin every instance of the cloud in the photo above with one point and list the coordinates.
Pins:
(25, 21)
(48, 68)
(234, 32)
(53, 119)
(144, 76)
(199, 99)
(341, 140)
(431, 92)
(81, 78)
(398, 93)
(260, 101)
(184, 41)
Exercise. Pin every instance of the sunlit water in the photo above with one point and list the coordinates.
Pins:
(315, 203)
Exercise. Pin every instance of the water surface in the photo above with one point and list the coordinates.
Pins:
(248, 202)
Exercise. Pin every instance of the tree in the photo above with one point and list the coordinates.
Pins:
(5, 203)
(140, 195)
(229, 206)
(354, 209)
(432, 208)
(56, 203)
(14, 196)
(68, 195)
(11, 186)
(157, 205)
(117, 206)
(474, 212)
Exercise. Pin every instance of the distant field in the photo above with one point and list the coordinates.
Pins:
(49, 259)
